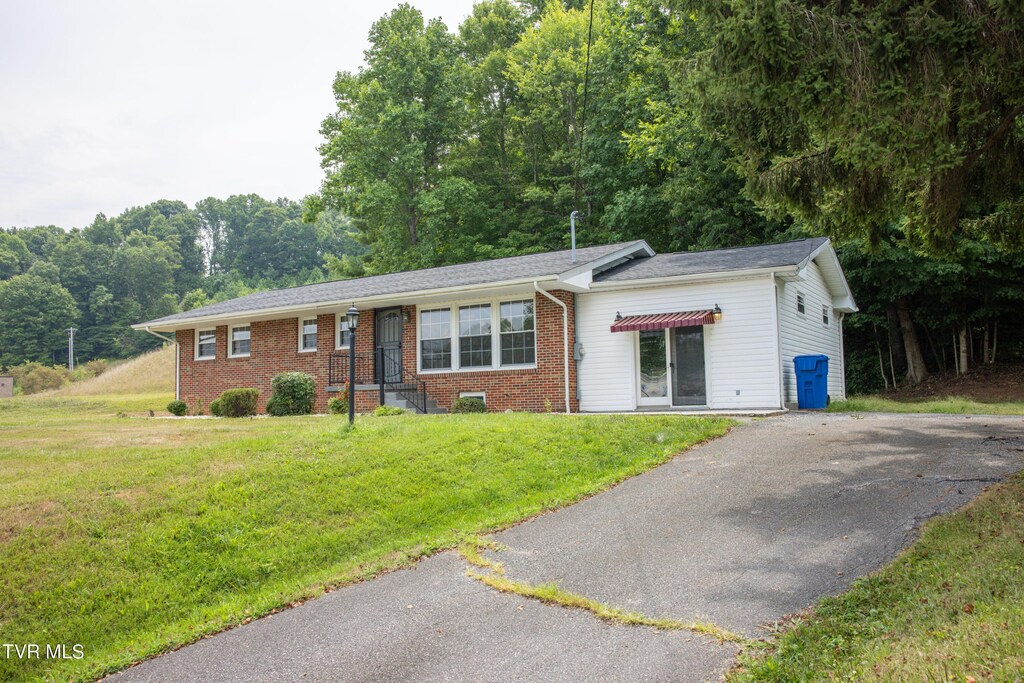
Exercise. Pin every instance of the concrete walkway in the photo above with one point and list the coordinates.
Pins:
(740, 532)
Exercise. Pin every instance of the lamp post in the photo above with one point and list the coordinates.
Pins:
(353, 321)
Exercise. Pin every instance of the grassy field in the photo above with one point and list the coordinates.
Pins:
(951, 608)
(150, 373)
(952, 404)
(132, 535)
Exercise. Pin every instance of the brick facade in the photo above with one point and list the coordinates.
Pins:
(275, 348)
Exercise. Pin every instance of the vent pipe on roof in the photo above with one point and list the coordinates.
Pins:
(572, 230)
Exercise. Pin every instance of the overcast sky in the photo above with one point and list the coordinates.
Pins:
(110, 104)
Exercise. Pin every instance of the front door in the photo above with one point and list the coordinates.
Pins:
(653, 380)
(389, 340)
(689, 384)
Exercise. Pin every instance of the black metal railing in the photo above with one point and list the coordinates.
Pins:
(394, 378)
(382, 368)
(338, 368)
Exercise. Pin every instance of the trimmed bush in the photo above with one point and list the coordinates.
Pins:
(177, 408)
(337, 406)
(469, 404)
(239, 402)
(383, 411)
(291, 393)
(216, 408)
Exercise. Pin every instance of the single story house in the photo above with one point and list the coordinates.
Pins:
(604, 328)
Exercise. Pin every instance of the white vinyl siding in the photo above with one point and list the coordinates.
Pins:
(741, 349)
(801, 334)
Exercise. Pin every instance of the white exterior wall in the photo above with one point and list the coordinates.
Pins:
(806, 333)
(741, 350)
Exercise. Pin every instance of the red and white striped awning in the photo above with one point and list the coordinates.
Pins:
(661, 321)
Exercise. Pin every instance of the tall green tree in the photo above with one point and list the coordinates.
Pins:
(34, 313)
(388, 144)
(854, 115)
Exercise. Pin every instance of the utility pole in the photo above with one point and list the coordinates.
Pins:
(71, 348)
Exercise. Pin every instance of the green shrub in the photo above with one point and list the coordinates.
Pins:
(383, 411)
(34, 377)
(291, 393)
(216, 408)
(239, 402)
(177, 408)
(337, 406)
(469, 404)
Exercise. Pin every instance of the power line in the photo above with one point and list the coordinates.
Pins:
(583, 111)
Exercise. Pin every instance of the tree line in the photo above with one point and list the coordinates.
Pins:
(149, 262)
(896, 128)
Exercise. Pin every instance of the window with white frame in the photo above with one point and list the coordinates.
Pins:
(343, 336)
(206, 344)
(799, 302)
(436, 339)
(518, 340)
(485, 335)
(239, 341)
(824, 314)
(307, 334)
(475, 340)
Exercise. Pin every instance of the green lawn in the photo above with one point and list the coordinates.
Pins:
(951, 608)
(132, 535)
(952, 404)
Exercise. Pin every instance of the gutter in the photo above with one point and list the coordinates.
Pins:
(778, 343)
(565, 343)
(177, 361)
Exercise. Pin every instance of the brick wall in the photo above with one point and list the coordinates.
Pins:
(274, 349)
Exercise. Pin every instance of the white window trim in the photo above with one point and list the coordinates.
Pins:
(482, 395)
(196, 354)
(495, 304)
(339, 318)
(231, 330)
(801, 300)
(302, 349)
(826, 315)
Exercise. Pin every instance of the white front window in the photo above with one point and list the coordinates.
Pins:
(486, 335)
(206, 344)
(343, 336)
(238, 342)
(307, 334)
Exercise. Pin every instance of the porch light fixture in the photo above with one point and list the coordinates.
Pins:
(352, 316)
(716, 313)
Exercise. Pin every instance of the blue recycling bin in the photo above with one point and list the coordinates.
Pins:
(811, 381)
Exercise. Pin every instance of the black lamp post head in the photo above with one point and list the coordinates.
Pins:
(352, 316)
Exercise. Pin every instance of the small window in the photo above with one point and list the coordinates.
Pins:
(824, 314)
(475, 336)
(799, 303)
(240, 340)
(307, 334)
(518, 342)
(206, 344)
(436, 339)
(344, 335)
(482, 395)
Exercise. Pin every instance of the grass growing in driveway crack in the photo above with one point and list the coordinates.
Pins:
(949, 608)
(550, 593)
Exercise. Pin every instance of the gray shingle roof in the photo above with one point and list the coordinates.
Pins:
(480, 272)
(717, 261)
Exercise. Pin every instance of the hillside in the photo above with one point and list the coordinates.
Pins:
(149, 373)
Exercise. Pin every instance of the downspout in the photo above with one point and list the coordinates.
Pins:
(565, 342)
(778, 344)
(177, 361)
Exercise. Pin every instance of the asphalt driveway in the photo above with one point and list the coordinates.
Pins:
(740, 532)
